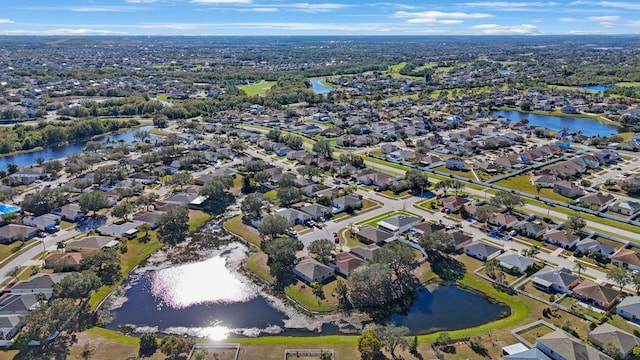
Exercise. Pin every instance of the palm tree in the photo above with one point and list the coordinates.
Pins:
(579, 268)
(491, 267)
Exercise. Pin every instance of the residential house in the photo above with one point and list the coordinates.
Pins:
(608, 335)
(603, 296)
(310, 270)
(39, 283)
(559, 345)
(70, 212)
(592, 246)
(345, 263)
(294, 216)
(460, 240)
(63, 261)
(9, 326)
(556, 279)
(190, 200)
(532, 230)
(561, 238)
(567, 189)
(625, 207)
(14, 232)
(599, 200)
(514, 262)
(626, 258)
(629, 308)
(427, 227)
(46, 222)
(317, 212)
(454, 203)
(455, 164)
(544, 180)
(388, 148)
(365, 253)
(346, 202)
(151, 218)
(17, 304)
(370, 235)
(27, 176)
(530, 354)
(313, 189)
(487, 167)
(482, 251)
(399, 224)
(91, 243)
(505, 220)
(128, 230)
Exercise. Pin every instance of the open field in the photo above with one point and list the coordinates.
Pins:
(257, 89)
(235, 226)
(522, 183)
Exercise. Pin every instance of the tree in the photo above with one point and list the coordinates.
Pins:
(179, 179)
(342, 293)
(288, 194)
(93, 146)
(309, 170)
(176, 348)
(12, 168)
(77, 285)
(484, 212)
(444, 185)
(174, 225)
(146, 200)
(574, 223)
(323, 148)
(282, 257)
(253, 203)
(322, 249)
(370, 286)
(635, 280)
(43, 201)
(148, 344)
(215, 189)
(122, 210)
(105, 263)
(369, 345)
(93, 201)
(437, 241)
(14, 272)
(48, 318)
(262, 177)
(491, 267)
(507, 200)
(618, 275)
(392, 336)
(53, 167)
(416, 179)
(81, 184)
(273, 225)
(141, 135)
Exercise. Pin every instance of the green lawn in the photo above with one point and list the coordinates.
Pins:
(373, 221)
(522, 183)
(272, 194)
(235, 226)
(303, 295)
(628, 84)
(159, 132)
(197, 218)
(257, 264)
(257, 89)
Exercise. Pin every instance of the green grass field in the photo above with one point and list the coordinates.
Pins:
(628, 84)
(257, 89)
(522, 183)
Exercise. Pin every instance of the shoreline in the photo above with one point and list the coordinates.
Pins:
(558, 113)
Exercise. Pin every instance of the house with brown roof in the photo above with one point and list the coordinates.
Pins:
(91, 243)
(454, 203)
(346, 262)
(151, 218)
(599, 199)
(544, 180)
(561, 238)
(626, 258)
(64, 261)
(427, 227)
(500, 219)
(567, 189)
(607, 334)
(559, 345)
(603, 296)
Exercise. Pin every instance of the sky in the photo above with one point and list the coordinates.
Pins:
(317, 17)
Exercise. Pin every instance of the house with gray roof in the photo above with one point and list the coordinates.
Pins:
(364, 253)
(39, 283)
(514, 262)
(593, 246)
(555, 279)
(42, 222)
(530, 354)
(9, 326)
(607, 334)
(70, 212)
(128, 230)
(310, 270)
(399, 224)
(629, 308)
(17, 304)
(370, 235)
(625, 207)
(317, 212)
(600, 200)
(482, 251)
(193, 201)
(293, 216)
(532, 230)
(344, 202)
(559, 345)
(13, 232)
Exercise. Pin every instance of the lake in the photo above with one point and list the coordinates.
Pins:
(210, 299)
(320, 88)
(59, 152)
(589, 127)
(596, 88)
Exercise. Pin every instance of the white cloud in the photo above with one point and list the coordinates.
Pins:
(569, 20)
(260, 9)
(438, 17)
(6, 21)
(291, 26)
(495, 29)
(603, 18)
(222, 1)
(142, 1)
(64, 32)
(322, 7)
(394, 6)
(103, 9)
(610, 4)
(511, 5)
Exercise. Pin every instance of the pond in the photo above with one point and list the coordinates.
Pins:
(589, 127)
(60, 152)
(320, 88)
(448, 307)
(210, 299)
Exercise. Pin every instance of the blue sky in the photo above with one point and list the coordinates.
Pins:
(313, 17)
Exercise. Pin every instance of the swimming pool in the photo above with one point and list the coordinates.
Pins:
(8, 209)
